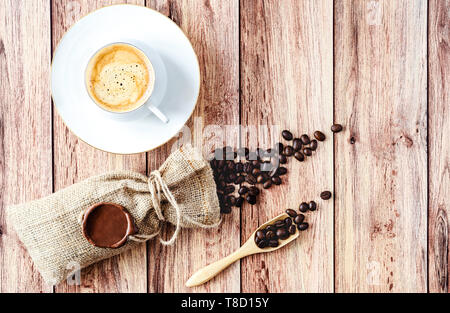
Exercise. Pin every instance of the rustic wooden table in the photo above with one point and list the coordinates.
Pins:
(381, 68)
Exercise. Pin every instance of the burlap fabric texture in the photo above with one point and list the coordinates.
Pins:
(182, 192)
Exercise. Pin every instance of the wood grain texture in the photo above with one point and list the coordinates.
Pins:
(381, 157)
(212, 28)
(74, 161)
(287, 83)
(25, 130)
(438, 144)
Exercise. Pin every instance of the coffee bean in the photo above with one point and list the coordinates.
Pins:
(239, 167)
(273, 243)
(271, 228)
(221, 164)
(312, 206)
(251, 199)
(325, 195)
(302, 226)
(261, 178)
(243, 190)
(303, 207)
(228, 189)
(297, 144)
(250, 179)
(279, 147)
(286, 134)
(313, 145)
(231, 177)
(256, 172)
(239, 180)
(282, 233)
(230, 200)
(276, 180)
(319, 135)
(307, 151)
(260, 234)
(299, 219)
(213, 163)
(305, 139)
(280, 171)
(271, 235)
(279, 224)
(291, 229)
(288, 221)
(239, 202)
(230, 165)
(336, 128)
(253, 191)
(262, 244)
(225, 210)
(283, 159)
(299, 156)
(267, 184)
(288, 151)
(248, 168)
(291, 213)
(221, 184)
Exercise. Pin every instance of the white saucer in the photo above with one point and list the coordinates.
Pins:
(149, 31)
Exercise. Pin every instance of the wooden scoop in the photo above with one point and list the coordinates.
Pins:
(248, 248)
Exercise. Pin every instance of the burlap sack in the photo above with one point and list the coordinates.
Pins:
(50, 227)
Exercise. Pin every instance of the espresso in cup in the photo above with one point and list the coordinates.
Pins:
(120, 78)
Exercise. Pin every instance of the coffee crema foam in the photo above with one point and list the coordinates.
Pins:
(119, 78)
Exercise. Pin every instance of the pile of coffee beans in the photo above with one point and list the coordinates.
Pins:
(239, 173)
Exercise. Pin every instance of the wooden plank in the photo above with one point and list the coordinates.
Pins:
(74, 161)
(212, 27)
(287, 81)
(438, 144)
(381, 157)
(25, 130)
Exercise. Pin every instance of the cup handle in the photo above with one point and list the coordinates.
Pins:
(158, 113)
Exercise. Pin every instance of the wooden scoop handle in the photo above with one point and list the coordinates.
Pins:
(210, 271)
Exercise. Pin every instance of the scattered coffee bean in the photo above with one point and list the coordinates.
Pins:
(239, 179)
(286, 134)
(283, 159)
(251, 199)
(256, 171)
(302, 226)
(299, 156)
(225, 210)
(336, 128)
(229, 189)
(299, 219)
(260, 179)
(288, 151)
(243, 190)
(292, 229)
(307, 151)
(239, 167)
(253, 191)
(319, 135)
(305, 139)
(250, 179)
(303, 207)
(248, 168)
(276, 180)
(267, 184)
(313, 145)
(297, 144)
(291, 213)
(312, 206)
(239, 202)
(280, 171)
(279, 147)
(325, 195)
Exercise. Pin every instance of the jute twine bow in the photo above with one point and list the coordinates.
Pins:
(156, 184)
